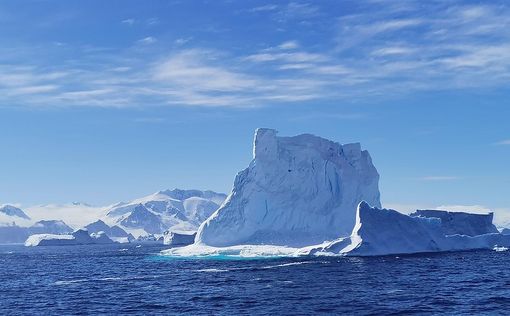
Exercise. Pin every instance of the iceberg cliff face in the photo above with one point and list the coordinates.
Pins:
(79, 237)
(178, 239)
(461, 223)
(384, 232)
(298, 191)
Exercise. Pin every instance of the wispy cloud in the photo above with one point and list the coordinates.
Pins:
(147, 40)
(264, 8)
(505, 142)
(381, 49)
(439, 178)
(289, 45)
(128, 21)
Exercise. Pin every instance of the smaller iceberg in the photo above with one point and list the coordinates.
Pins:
(385, 232)
(176, 239)
(79, 237)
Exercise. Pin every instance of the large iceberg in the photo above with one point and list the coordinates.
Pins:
(384, 231)
(297, 191)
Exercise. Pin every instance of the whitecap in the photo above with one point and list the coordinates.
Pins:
(287, 264)
(67, 282)
(211, 270)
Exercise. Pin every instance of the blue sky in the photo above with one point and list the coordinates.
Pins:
(102, 101)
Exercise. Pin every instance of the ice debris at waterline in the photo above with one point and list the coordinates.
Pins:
(297, 191)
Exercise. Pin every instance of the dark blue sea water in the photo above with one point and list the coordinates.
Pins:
(123, 280)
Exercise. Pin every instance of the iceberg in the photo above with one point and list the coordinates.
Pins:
(461, 223)
(175, 239)
(79, 237)
(297, 191)
(385, 231)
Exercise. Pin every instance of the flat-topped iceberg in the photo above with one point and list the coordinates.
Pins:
(79, 237)
(176, 239)
(461, 223)
(384, 231)
(297, 191)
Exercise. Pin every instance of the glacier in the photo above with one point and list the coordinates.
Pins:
(297, 191)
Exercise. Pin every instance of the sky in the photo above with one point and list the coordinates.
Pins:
(106, 101)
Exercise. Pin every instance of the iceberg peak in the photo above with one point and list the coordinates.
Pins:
(297, 190)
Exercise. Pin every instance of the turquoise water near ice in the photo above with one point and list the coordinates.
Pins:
(126, 280)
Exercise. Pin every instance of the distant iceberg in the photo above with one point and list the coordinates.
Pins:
(175, 239)
(79, 237)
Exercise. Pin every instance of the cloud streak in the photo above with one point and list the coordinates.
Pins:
(382, 49)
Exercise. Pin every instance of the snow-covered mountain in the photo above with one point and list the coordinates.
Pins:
(14, 233)
(297, 191)
(176, 210)
(9, 210)
(112, 232)
(50, 227)
(74, 214)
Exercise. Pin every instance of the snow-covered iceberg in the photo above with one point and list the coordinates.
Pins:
(79, 237)
(297, 191)
(175, 239)
(384, 231)
(461, 223)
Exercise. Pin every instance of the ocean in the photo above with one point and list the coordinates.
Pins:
(131, 280)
